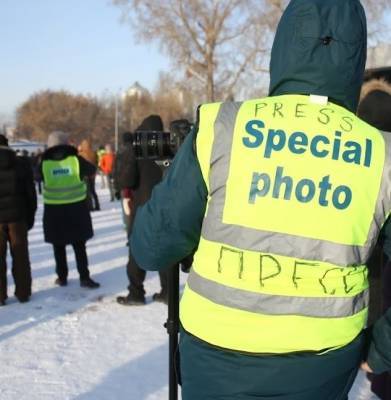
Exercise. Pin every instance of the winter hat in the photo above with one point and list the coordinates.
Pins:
(57, 138)
(151, 123)
(3, 140)
(375, 104)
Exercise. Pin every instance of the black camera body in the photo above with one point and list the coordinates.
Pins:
(159, 146)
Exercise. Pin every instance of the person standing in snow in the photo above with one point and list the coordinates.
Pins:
(374, 108)
(106, 165)
(91, 156)
(283, 199)
(140, 177)
(18, 204)
(66, 218)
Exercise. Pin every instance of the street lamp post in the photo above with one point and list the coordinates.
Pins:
(116, 124)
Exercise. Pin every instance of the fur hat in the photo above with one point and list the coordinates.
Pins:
(57, 138)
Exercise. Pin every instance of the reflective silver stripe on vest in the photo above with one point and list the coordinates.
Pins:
(245, 238)
(79, 186)
(71, 196)
(269, 304)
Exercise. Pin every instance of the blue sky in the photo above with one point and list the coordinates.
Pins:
(77, 45)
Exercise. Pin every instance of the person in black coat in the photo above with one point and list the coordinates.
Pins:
(18, 204)
(67, 222)
(125, 170)
(139, 176)
(374, 108)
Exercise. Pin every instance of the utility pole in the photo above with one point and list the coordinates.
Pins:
(116, 124)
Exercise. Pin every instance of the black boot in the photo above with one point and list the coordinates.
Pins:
(132, 299)
(61, 281)
(89, 283)
(161, 297)
(23, 299)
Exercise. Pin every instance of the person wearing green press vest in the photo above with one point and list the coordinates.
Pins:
(66, 218)
(282, 200)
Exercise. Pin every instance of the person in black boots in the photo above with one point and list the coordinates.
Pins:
(139, 176)
(18, 204)
(66, 218)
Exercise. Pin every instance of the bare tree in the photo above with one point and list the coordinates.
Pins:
(378, 27)
(81, 116)
(222, 45)
(215, 41)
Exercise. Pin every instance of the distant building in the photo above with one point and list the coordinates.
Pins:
(136, 90)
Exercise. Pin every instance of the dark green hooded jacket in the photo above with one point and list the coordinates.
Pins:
(320, 48)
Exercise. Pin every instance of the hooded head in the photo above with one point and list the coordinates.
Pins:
(375, 104)
(85, 145)
(151, 123)
(320, 48)
(3, 140)
(58, 138)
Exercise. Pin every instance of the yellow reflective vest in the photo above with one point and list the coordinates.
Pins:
(298, 192)
(62, 183)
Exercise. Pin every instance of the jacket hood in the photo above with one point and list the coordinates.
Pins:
(59, 152)
(85, 145)
(320, 48)
(375, 104)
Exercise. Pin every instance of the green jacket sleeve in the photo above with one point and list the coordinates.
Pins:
(379, 357)
(168, 227)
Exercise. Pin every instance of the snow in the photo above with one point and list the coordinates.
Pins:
(79, 344)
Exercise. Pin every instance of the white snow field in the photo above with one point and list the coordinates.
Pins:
(74, 343)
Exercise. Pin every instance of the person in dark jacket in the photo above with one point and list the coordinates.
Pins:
(85, 151)
(125, 171)
(319, 50)
(18, 204)
(66, 218)
(139, 176)
(36, 162)
(374, 108)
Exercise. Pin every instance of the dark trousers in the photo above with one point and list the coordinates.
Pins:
(39, 186)
(93, 201)
(136, 277)
(110, 183)
(16, 234)
(60, 256)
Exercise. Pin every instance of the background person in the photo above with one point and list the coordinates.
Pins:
(125, 171)
(140, 176)
(85, 151)
(106, 165)
(66, 218)
(36, 163)
(275, 305)
(374, 108)
(18, 204)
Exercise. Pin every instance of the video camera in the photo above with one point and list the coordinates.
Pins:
(156, 145)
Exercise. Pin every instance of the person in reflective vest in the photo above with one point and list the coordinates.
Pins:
(283, 199)
(66, 218)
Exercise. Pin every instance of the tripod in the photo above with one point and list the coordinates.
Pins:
(172, 326)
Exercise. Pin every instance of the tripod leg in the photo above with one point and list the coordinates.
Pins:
(172, 326)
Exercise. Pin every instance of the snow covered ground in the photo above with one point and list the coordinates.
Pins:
(79, 344)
